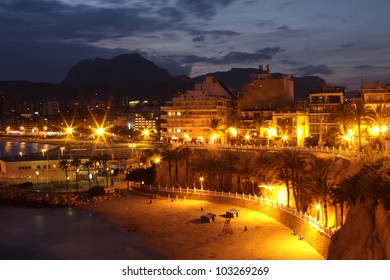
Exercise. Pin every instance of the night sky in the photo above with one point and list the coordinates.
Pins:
(342, 41)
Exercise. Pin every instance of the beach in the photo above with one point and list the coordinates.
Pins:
(173, 230)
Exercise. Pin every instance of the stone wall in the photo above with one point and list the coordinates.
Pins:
(316, 239)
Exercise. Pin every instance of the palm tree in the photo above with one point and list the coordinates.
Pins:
(169, 155)
(215, 128)
(343, 115)
(251, 175)
(266, 170)
(64, 165)
(199, 166)
(260, 122)
(104, 159)
(379, 116)
(291, 164)
(210, 165)
(76, 163)
(88, 164)
(185, 154)
(220, 168)
(95, 160)
(360, 113)
(320, 177)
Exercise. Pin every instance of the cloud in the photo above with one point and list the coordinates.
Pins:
(290, 62)
(309, 70)
(199, 39)
(365, 66)
(348, 46)
(234, 57)
(204, 9)
(171, 65)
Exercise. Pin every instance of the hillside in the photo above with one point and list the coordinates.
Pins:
(133, 76)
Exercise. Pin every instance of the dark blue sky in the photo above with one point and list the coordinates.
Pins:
(343, 41)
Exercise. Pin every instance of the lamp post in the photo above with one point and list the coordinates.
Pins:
(47, 164)
(132, 146)
(201, 179)
(37, 173)
(62, 151)
(319, 212)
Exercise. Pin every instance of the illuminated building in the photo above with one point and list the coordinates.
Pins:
(323, 104)
(186, 116)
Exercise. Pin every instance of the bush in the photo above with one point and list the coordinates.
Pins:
(27, 184)
(97, 191)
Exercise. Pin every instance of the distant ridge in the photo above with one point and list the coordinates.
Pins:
(133, 76)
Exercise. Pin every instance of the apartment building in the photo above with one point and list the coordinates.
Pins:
(322, 106)
(266, 91)
(376, 93)
(185, 118)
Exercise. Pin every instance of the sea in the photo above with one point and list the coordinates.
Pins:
(28, 233)
(15, 148)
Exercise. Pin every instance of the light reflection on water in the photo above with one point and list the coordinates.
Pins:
(65, 234)
(15, 148)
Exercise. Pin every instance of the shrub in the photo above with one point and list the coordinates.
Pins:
(97, 191)
(27, 184)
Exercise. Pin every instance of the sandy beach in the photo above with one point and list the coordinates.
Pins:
(174, 230)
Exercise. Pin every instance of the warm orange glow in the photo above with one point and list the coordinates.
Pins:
(100, 131)
(146, 132)
(282, 196)
(69, 130)
(233, 131)
(271, 132)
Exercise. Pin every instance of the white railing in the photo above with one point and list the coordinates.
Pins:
(270, 203)
(328, 150)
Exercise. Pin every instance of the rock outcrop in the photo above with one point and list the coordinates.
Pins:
(50, 199)
(365, 234)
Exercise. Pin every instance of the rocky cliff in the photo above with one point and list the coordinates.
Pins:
(365, 234)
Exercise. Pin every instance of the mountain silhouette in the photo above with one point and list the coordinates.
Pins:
(133, 76)
(130, 73)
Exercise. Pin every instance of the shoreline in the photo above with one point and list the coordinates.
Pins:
(174, 230)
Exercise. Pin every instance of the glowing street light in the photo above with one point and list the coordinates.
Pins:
(201, 179)
(132, 147)
(157, 160)
(247, 138)
(100, 131)
(69, 130)
(37, 173)
(62, 151)
(146, 133)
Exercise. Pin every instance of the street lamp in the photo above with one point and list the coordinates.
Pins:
(62, 151)
(201, 179)
(132, 146)
(37, 173)
(47, 164)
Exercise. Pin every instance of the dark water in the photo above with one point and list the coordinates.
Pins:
(64, 234)
(14, 148)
